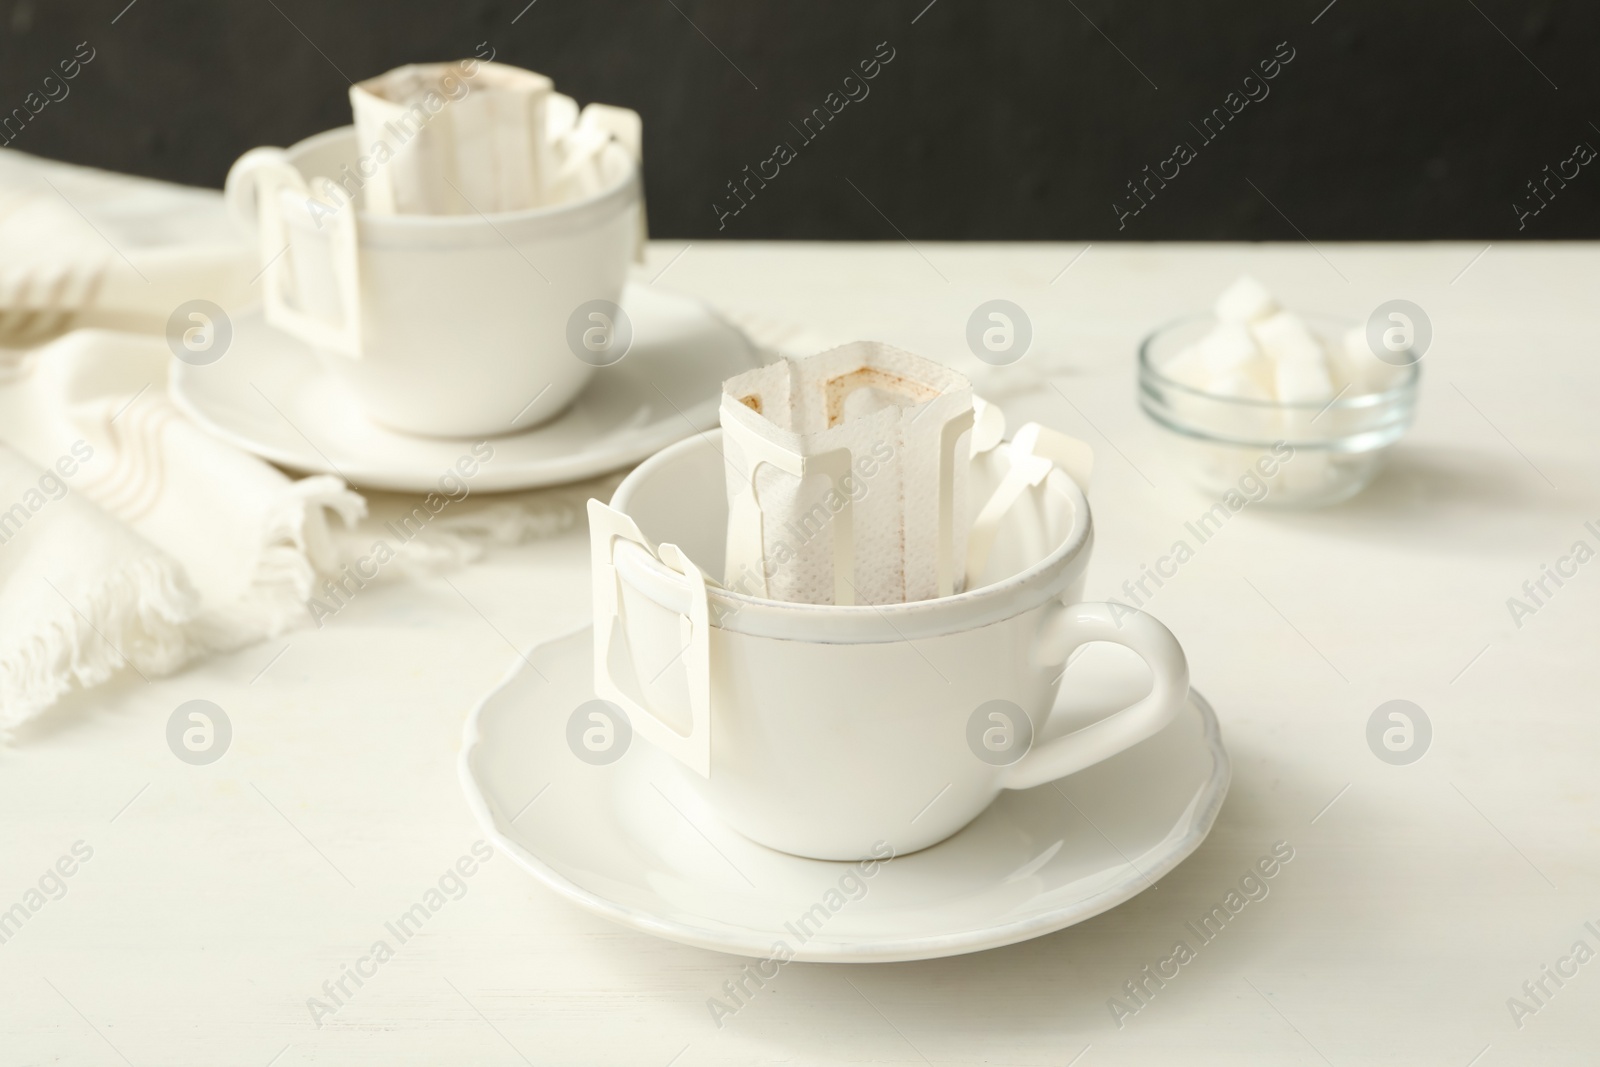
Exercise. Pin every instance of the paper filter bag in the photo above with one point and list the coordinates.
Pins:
(847, 477)
(469, 137)
(452, 138)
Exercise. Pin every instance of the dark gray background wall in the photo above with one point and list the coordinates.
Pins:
(1000, 119)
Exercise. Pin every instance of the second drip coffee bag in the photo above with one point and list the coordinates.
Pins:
(478, 138)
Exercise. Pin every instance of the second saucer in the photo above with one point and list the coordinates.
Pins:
(270, 394)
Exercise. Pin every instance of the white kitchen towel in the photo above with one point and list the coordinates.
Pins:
(80, 593)
(81, 247)
(128, 537)
(846, 477)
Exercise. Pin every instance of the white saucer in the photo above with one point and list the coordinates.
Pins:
(270, 394)
(632, 842)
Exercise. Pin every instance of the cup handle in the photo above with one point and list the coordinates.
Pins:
(1065, 630)
(251, 195)
(239, 194)
(607, 526)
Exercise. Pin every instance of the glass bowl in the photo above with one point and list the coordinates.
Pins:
(1269, 453)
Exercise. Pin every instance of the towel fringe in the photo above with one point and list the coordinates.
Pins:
(138, 612)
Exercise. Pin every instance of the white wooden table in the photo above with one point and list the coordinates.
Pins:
(219, 898)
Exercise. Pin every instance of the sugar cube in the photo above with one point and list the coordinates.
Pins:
(1241, 385)
(1189, 368)
(1231, 353)
(1284, 336)
(1245, 301)
(1299, 364)
(1367, 373)
(1228, 347)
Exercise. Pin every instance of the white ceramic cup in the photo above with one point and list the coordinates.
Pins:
(441, 325)
(822, 730)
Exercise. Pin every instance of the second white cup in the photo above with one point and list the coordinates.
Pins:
(441, 325)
